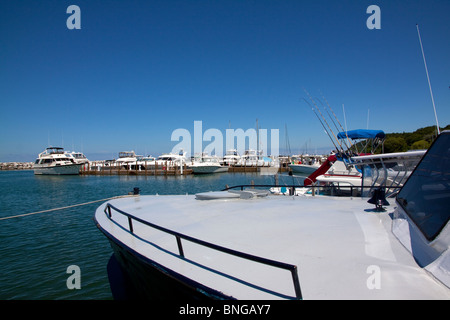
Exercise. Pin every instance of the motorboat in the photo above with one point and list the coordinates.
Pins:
(305, 164)
(339, 168)
(360, 173)
(253, 158)
(143, 163)
(53, 161)
(126, 159)
(171, 160)
(231, 157)
(205, 163)
(78, 157)
(250, 158)
(341, 172)
(251, 245)
(175, 158)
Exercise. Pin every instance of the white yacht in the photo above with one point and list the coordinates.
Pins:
(143, 163)
(359, 173)
(250, 158)
(126, 158)
(171, 160)
(341, 172)
(305, 164)
(250, 245)
(205, 163)
(253, 158)
(231, 157)
(54, 161)
(78, 157)
(339, 168)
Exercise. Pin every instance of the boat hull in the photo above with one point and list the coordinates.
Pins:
(208, 169)
(352, 180)
(72, 169)
(303, 168)
(144, 279)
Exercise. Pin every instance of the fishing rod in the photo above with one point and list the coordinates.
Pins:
(343, 130)
(324, 128)
(337, 140)
(334, 123)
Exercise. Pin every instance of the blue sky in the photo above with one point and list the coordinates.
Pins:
(138, 70)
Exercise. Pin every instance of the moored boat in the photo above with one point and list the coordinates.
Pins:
(78, 157)
(205, 163)
(126, 159)
(53, 161)
(247, 245)
(254, 158)
(231, 157)
(305, 164)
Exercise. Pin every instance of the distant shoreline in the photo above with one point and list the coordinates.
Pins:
(9, 166)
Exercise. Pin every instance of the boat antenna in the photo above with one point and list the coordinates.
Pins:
(428, 78)
(345, 122)
(368, 113)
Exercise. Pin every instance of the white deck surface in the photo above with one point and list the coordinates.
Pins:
(339, 248)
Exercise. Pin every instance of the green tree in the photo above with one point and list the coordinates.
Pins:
(395, 144)
(421, 144)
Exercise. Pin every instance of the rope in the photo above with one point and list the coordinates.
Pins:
(62, 208)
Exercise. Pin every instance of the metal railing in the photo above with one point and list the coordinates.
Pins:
(313, 187)
(179, 236)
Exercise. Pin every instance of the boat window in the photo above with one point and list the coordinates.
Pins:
(425, 197)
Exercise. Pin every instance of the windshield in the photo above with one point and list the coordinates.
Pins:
(425, 197)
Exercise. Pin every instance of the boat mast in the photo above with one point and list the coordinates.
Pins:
(257, 139)
(288, 145)
(428, 78)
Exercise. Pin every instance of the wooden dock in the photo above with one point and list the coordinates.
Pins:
(165, 170)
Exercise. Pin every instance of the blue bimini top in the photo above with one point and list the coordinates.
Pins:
(362, 134)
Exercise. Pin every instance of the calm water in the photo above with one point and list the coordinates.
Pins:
(36, 250)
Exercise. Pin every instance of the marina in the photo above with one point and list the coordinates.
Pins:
(260, 195)
(146, 155)
(168, 164)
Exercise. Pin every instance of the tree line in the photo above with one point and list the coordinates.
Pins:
(417, 140)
